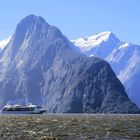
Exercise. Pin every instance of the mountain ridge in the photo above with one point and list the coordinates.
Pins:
(40, 65)
(123, 58)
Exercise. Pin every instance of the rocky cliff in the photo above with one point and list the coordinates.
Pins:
(40, 65)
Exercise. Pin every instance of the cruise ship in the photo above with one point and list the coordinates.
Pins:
(19, 109)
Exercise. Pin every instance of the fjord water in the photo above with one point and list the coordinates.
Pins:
(70, 127)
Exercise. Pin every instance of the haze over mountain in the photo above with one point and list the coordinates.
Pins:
(40, 65)
(123, 57)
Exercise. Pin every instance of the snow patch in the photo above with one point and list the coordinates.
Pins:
(3, 43)
(86, 43)
(123, 46)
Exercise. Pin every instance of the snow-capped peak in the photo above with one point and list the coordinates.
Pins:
(102, 36)
(93, 41)
(4, 42)
(99, 45)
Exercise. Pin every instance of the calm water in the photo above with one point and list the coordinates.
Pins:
(70, 127)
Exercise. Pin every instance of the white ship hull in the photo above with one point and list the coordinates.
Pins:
(23, 112)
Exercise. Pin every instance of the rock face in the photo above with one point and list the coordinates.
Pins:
(123, 57)
(41, 66)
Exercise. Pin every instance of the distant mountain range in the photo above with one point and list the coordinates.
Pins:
(123, 57)
(40, 65)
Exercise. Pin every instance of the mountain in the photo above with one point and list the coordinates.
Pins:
(123, 57)
(40, 65)
(97, 45)
(4, 42)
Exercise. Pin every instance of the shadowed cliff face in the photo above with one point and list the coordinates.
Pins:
(41, 66)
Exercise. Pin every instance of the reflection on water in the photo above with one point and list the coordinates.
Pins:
(69, 127)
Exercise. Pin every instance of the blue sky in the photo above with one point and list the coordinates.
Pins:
(76, 18)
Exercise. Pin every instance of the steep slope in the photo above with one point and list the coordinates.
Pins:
(41, 66)
(123, 57)
(125, 60)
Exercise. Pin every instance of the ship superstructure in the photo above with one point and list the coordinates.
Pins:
(20, 109)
